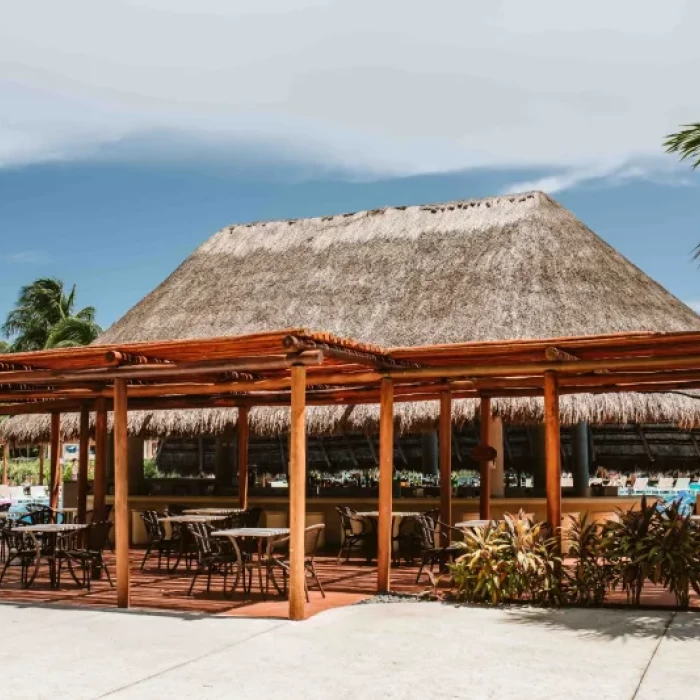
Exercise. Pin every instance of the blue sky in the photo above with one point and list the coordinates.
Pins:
(132, 130)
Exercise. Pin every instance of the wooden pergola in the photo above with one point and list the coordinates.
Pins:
(296, 368)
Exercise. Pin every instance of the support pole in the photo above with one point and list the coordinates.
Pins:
(121, 493)
(42, 452)
(83, 462)
(386, 481)
(581, 460)
(485, 465)
(56, 476)
(5, 460)
(99, 487)
(297, 493)
(552, 451)
(445, 446)
(242, 454)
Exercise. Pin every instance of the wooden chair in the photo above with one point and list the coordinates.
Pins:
(311, 537)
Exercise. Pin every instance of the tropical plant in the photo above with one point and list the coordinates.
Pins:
(45, 316)
(629, 547)
(590, 576)
(509, 561)
(675, 554)
(5, 347)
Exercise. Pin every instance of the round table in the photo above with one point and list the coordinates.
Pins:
(47, 539)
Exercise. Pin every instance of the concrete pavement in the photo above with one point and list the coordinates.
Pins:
(415, 650)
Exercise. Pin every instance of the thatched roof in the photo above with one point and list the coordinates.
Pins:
(517, 266)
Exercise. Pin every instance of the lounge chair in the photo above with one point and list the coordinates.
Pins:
(38, 491)
(682, 484)
(665, 485)
(640, 485)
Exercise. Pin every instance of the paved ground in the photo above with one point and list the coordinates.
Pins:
(416, 650)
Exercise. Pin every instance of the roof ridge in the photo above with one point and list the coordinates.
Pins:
(435, 207)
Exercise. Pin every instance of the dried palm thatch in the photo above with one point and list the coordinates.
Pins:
(517, 266)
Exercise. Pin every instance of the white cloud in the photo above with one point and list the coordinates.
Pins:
(399, 86)
(28, 257)
(651, 169)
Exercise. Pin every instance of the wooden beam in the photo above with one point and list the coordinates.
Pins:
(121, 493)
(157, 372)
(484, 465)
(99, 486)
(83, 462)
(56, 477)
(445, 447)
(552, 451)
(297, 494)
(242, 440)
(386, 482)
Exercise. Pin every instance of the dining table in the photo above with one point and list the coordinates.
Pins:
(475, 524)
(50, 540)
(214, 511)
(265, 537)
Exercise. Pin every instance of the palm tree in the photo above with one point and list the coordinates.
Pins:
(685, 142)
(5, 347)
(44, 316)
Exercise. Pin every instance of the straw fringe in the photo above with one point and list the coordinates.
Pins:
(597, 409)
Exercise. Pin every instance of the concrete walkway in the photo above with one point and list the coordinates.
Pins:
(417, 650)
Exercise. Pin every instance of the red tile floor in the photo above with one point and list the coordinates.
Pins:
(154, 589)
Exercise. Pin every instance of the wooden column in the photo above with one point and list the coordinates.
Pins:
(83, 462)
(42, 452)
(242, 456)
(297, 493)
(56, 476)
(121, 493)
(552, 450)
(485, 465)
(386, 482)
(5, 460)
(99, 487)
(445, 442)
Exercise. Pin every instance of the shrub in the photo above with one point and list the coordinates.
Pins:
(629, 548)
(505, 562)
(675, 554)
(591, 575)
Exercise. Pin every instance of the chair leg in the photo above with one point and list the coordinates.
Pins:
(145, 556)
(106, 570)
(194, 579)
(314, 575)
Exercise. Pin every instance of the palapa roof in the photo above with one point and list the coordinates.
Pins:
(510, 267)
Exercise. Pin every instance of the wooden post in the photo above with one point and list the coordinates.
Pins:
(552, 451)
(42, 451)
(121, 493)
(297, 493)
(99, 487)
(386, 481)
(445, 445)
(485, 465)
(242, 456)
(83, 462)
(56, 477)
(5, 460)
